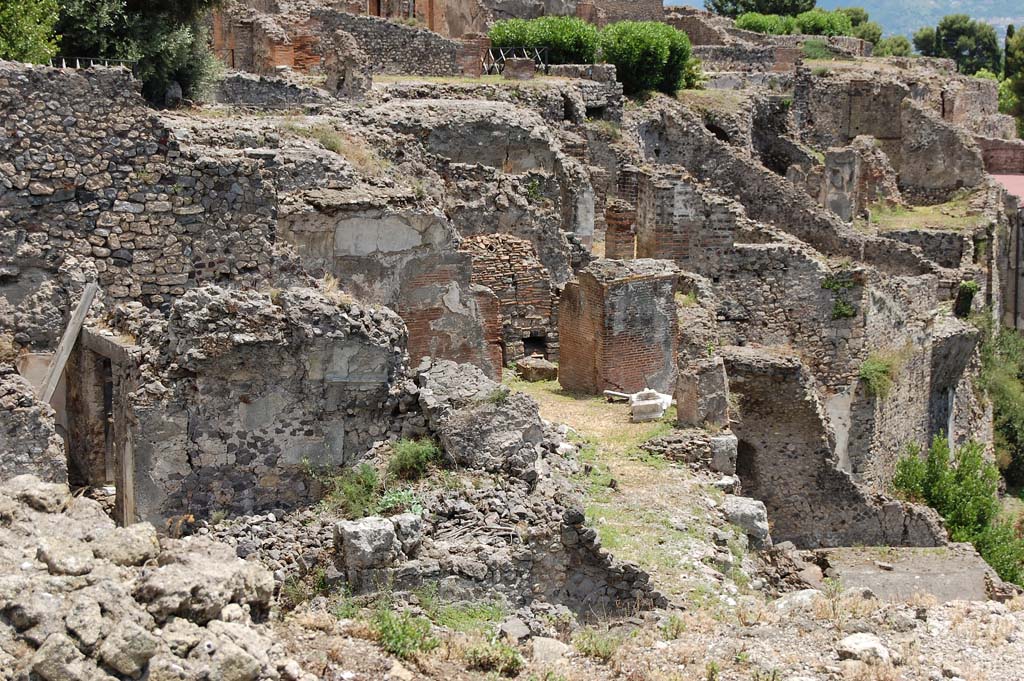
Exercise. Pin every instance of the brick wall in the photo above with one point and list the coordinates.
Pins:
(1002, 157)
(677, 220)
(508, 266)
(618, 327)
(619, 237)
(698, 29)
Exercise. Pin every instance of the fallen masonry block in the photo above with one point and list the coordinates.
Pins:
(535, 369)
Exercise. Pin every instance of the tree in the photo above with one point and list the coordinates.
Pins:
(858, 15)
(973, 45)
(26, 30)
(924, 42)
(734, 8)
(166, 37)
(895, 46)
(1014, 65)
(869, 31)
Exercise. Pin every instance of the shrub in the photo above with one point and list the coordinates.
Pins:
(569, 40)
(402, 634)
(598, 644)
(771, 24)
(354, 492)
(27, 30)
(821, 22)
(817, 50)
(895, 46)
(1002, 365)
(962, 488)
(411, 458)
(870, 31)
(494, 656)
(878, 372)
(649, 55)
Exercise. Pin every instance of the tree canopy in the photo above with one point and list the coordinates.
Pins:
(734, 8)
(973, 45)
(26, 30)
(165, 37)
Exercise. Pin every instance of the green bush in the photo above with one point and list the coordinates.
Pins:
(599, 644)
(771, 24)
(27, 30)
(649, 55)
(821, 22)
(878, 372)
(494, 656)
(569, 40)
(355, 492)
(402, 634)
(870, 31)
(895, 46)
(962, 488)
(412, 458)
(817, 50)
(1002, 366)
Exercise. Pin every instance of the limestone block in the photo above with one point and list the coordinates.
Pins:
(751, 516)
(702, 394)
(519, 69)
(534, 369)
(367, 543)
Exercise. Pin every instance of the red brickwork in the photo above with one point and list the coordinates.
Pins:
(618, 326)
(619, 235)
(509, 267)
(437, 331)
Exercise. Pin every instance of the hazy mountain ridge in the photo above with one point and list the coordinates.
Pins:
(907, 16)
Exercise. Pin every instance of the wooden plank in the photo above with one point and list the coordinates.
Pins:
(67, 343)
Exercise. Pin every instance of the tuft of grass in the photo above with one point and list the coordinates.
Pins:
(879, 371)
(600, 644)
(357, 152)
(686, 299)
(355, 492)
(467, 617)
(395, 501)
(494, 656)
(673, 628)
(412, 458)
(403, 635)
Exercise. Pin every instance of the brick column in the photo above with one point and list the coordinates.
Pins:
(619, 237)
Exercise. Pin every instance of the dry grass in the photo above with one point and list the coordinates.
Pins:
(331, 289)
(956, 215)
(357, 152)
(645, 509)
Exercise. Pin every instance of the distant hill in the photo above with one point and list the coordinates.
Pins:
(906, 16)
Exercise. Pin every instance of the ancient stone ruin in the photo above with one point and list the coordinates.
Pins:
(360, 253)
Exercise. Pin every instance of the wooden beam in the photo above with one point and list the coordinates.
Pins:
(67, 343)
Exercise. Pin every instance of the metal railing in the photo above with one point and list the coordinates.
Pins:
(90, 62)
(495, 57)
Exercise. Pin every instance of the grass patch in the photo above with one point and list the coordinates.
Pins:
(357, 152)
(956, 215)
(879, 371)
(600, 644)
(359, 492)
(403, 635)
(469, 617)
(412, 458)
(494, 656)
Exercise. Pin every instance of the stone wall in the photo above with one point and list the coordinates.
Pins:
(392, 47)
(786, 459)
(669, 134)
(678, 220)
(618, 327)
(245, 395)
(932, 389)
(264, 92)
(28, 438)
(387, 248)
(89, 174)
